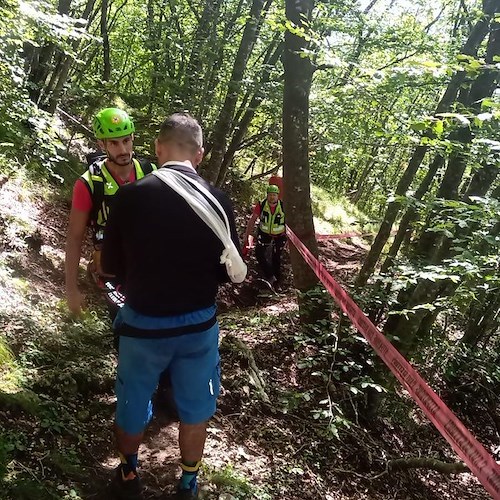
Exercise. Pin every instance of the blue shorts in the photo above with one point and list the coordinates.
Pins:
(194, 367)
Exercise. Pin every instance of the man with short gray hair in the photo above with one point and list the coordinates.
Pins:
(169, 260)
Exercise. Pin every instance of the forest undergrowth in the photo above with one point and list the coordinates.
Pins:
(283, 429)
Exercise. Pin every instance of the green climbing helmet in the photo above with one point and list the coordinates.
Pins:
(272, 188)
(110, 123)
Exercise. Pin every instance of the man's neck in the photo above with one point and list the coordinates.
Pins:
(121, 171)
(186, 163)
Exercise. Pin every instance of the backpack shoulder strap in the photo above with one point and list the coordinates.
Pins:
(146, 166)
(97, 192)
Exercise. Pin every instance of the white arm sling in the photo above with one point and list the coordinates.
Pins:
(197, 196)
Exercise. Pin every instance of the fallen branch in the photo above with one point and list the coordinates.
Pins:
(428, 463)
(255, 376)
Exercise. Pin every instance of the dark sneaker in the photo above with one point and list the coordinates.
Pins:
(122, 489)
(186, 494)
(268, 284)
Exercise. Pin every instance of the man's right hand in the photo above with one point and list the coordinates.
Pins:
(74, 299)
(248, 245)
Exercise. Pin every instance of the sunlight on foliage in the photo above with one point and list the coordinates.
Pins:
(228, 480)
(333, 214)
(10, 372)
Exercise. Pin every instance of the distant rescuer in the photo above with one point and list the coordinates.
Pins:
(271, 236)
(94, 191)
(170, 262)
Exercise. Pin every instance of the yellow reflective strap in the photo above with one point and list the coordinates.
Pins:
(110, 185)
(139, 173)
(89, 180)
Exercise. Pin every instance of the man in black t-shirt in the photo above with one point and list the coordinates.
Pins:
(169, 262)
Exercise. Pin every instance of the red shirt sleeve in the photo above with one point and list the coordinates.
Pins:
(81, 197)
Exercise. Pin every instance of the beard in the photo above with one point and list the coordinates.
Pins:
(121, 160)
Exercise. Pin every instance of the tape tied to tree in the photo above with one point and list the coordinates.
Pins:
(467, 447)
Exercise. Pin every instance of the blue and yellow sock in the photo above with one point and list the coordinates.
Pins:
(189, 478)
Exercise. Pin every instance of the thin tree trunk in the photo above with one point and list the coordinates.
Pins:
(360, 182)
(42, 61)
(219, 138)
(207, 23)
(106, 70)
(152, 44)
(54, 94)
(297, 196)
(210, 83)
(483, 319)
(390, 216)
(242, 127)
(409, 217)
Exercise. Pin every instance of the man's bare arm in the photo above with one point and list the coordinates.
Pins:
(74, 239)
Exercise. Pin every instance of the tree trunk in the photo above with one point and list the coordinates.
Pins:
(404, 231)
(297, 196)
(389, 218)
(219, 138)
(41, 60)
(106, 70)
(242, 126)
(483, 86)
(434, 247)
(53, 95)
(483, 319)
(205, 100)
(360, 181)
(197, 59)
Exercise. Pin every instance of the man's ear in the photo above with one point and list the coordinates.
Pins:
(101, 144)
(161, 150)
(198, 157)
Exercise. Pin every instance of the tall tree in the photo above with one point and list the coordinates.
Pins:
(106, 69)
(41, 60)
(434, 246)
(201, 52)
(54, 89)
(296, 178)
(241, 127)
(223, 125)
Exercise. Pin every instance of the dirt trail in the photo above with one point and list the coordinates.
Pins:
(255, 449)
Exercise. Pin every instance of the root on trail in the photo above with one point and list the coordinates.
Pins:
(427, 463)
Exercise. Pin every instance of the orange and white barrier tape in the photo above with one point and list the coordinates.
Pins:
(467, 447)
